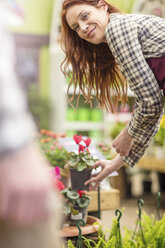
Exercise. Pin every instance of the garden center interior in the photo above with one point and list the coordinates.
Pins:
(38, 56)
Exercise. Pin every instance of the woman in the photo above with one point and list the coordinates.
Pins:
(107, 49)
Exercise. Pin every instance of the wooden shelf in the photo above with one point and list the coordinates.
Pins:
(108, 200)
(83, 126)
(151, 163)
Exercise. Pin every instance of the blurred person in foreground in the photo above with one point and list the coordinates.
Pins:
(29, 207)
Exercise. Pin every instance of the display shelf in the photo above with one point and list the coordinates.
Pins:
(151, 163)
(71, 90)
(122, 117)
(83, 126)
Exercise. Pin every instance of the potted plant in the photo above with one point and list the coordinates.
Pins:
(54, 152)
(76, 205)
(80, 163)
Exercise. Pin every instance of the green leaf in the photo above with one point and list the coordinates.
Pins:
(74, 211)
(70, 244)
(73, 161)
(89, 162)
(83, 202)
(73, 195)
(64, 191)
(67, 209)
(81, 166)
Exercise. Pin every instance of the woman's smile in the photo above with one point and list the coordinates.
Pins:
(91, 33)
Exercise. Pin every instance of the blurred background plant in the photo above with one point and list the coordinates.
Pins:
(40, 108)
(159, 138)
(55, 153)
(116, 128)
(106, 150)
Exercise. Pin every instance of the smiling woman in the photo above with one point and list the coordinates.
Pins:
(106, 49)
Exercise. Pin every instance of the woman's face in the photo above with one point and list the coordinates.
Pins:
(88, 21)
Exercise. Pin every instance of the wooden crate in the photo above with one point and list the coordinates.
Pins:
(108, 200)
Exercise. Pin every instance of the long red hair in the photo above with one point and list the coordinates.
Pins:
(94, 68)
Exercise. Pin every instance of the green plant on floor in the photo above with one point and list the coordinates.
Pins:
(151, 234)
(83, 159)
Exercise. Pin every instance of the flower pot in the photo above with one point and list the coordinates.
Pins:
(78, 178)
(83, 212)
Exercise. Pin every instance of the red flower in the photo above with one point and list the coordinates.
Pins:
(81, 148)
(59, 185)
(87, 141)
(81, 192)
(77, 138)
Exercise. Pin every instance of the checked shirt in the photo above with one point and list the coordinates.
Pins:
(132, 38)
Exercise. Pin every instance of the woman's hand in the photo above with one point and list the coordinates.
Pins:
(123, 143)
(107, 167)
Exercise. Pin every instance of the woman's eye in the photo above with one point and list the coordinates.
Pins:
(85, 16)
(76, 27)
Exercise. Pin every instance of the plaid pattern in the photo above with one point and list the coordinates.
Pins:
(132, 38)
(16, 125)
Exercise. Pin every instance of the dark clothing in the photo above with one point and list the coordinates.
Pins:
(157, 65)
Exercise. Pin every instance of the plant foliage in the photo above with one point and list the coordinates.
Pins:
(153, 234)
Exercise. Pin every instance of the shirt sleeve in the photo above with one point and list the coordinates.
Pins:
(123, 40)
(16, 124)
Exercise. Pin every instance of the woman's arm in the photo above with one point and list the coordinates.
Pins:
(123, 40)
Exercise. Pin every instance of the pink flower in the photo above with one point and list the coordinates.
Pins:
(56, 173)
(81, 148)
(59, 147)
(77, 138)
(104, 148)
(101, 144)
(52, 147)
(87, 141)
(81, 192)
(59, 185)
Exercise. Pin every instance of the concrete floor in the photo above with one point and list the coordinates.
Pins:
(130, 213)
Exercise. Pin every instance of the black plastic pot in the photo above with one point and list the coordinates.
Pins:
(78, 178)
(83, 213)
